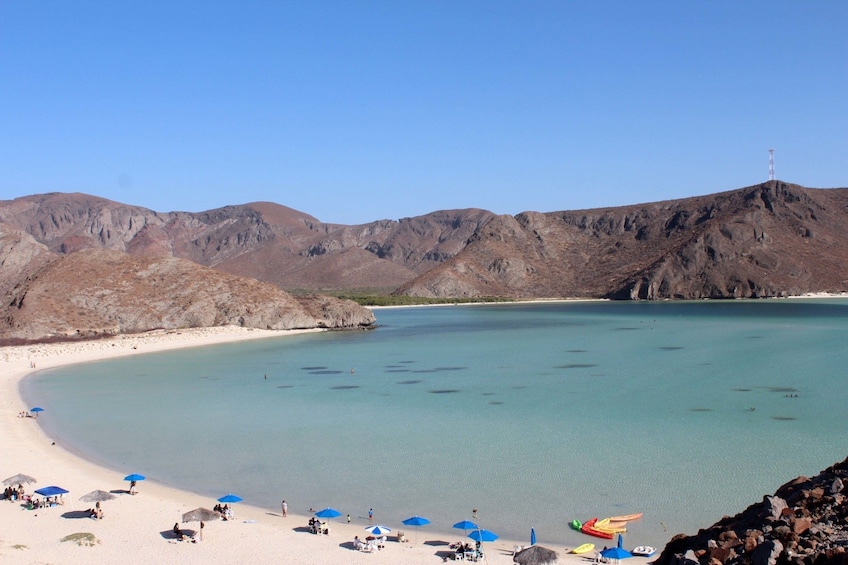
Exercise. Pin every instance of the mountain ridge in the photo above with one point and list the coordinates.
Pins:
(765, 240)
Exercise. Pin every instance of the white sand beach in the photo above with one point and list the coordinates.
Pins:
(138, 529)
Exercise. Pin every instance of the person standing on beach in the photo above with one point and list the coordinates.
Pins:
(370, 514)
(285, 509)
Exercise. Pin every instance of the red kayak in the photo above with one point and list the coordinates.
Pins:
(589, 528)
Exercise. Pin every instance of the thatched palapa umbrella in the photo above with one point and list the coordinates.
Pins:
(535, 555)
(97, 496)
(19, 479)
(200, 515)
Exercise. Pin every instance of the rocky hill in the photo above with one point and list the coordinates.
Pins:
(265, 241)
(96, 292)
(804, 523)
(773, 239)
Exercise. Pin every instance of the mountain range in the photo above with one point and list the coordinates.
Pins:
(62, 253)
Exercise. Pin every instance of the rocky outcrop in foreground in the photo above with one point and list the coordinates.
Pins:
(803, 523)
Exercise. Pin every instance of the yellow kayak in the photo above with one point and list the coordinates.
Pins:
(585, 548)
(606, 525)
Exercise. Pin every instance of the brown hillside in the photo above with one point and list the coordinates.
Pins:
(261, 240)
(773, 239)
(97, 291)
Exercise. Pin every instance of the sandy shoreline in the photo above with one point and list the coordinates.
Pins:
(136, 529)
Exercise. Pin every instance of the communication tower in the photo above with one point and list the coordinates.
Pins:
(771, 164)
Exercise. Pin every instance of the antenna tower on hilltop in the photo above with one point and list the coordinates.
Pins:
(771, 164)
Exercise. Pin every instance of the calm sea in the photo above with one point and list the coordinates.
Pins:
(534, 414)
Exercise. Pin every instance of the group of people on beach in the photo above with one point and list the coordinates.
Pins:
(225, 511)
(466, 552)
(96, 512)
(370, 544)
(316, 526)
(12, 494)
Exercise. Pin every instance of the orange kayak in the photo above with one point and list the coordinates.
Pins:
(626, 518)
(590, 529)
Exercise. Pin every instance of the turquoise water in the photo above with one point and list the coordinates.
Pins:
(534, 414)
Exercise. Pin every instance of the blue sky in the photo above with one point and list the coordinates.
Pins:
(354, 111)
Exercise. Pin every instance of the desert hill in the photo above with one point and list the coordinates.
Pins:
(772, 239)
(96, 292)
(260, 240)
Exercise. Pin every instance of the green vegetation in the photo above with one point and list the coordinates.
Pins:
(384, 297)
(82, 539)
(403, 300)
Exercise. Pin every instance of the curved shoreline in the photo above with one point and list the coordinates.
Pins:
(136, 528)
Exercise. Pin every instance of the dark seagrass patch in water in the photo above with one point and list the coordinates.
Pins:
(344, 387)
(443, 391)
(577, 366)
(783, 418)
(325, 372)
(670, 348)
(410, 382)
(312, 368)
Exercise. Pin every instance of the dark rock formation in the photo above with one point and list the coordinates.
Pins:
(804, 523)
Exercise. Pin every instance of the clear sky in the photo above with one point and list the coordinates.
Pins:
(354, 111)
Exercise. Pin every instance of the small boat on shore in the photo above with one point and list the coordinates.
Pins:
(644, 550)
(585, 548)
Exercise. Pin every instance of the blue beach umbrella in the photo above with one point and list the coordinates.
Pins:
(134, 477)
(532, 536)
(416, 521)
(230, 498)
(36, 410)
(378, 530)
(483, 535)
(328, 513)
(616, 553)
(466, 525)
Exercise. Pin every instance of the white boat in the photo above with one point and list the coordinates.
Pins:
(644, 550)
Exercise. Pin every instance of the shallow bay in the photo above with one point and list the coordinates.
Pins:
(535, 414)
